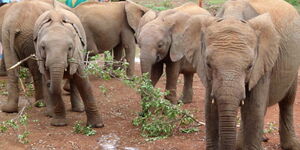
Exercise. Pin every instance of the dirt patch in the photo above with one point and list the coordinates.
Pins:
(118, 107)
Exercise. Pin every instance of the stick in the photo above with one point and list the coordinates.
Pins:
(22, 85)
(20, 62)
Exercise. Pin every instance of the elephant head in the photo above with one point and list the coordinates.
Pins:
(230, 55)
(59, 39)
(158, 36)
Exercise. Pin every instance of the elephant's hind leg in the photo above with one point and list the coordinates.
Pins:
(37, 81)
(187, 93)
(129, 45)
(288, 138)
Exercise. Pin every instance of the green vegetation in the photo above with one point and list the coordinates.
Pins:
(19, 127)
(84, 130)
(158, 118)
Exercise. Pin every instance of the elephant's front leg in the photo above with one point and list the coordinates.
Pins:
(59, 118)
(288, 139)
(76, 101)
(211, 121)
(172, 71)
(188, 88)
(49, 106)
(252, 113)
(93, 117)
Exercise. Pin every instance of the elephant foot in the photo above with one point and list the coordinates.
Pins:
(49, 113)
(10, 108)
(186, 99)
(59, 122)
(95, 123)
(292, 144)
(40, 103)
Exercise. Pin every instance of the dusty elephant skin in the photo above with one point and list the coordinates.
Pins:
(247, 56)
(158, 39)
(17, 41)
(3, 10)
(59, 39)
(111, 26)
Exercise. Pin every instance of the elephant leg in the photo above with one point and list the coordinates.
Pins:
(93, 117)
(76, 101)
(129, 45)
(288, 137)
(37, 81)
(12, 85)
(13, 93)
(156, 72)
(59, 118)
(252, 113)
(2, 68)
(212, 122)
(118, 53)
(172, 71)
(187, 91)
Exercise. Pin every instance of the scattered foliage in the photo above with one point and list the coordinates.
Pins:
(85, 130)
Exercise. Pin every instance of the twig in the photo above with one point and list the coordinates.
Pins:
(22, 85)
(20, 62)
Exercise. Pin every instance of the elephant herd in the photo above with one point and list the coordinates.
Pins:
(247, 57)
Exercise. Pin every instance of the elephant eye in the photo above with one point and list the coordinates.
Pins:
(249, 67)
(208, 65)
(160, 45)
(43, 47)
(70, 48)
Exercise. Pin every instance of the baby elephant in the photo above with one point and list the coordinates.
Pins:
(158, 39)
(59, 40)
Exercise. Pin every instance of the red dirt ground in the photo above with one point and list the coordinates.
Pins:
(118, 107)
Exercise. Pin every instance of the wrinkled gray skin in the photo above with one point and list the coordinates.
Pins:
(59, 39)
(17, 37)
(250, 59)
(158, 38)
(3, 10)
(17, 43)
(111, 26)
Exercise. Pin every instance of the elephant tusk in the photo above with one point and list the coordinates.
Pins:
(243, 102)
(65, 69)
(213, 101)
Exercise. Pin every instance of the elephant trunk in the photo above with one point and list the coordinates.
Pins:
(227, 124)
(56, 76)
(147, 62)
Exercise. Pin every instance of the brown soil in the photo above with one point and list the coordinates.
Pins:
(118, 107)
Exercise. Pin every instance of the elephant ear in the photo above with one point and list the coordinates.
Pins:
(40, 23)
(134, 13)
(76, 57)
(267, 49)
(176, 22)
(192, 46)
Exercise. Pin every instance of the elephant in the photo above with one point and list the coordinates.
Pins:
(111, 26)
(157, 37)
(17, 38)
(247, 57)
(3, 10)
(59, 39)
